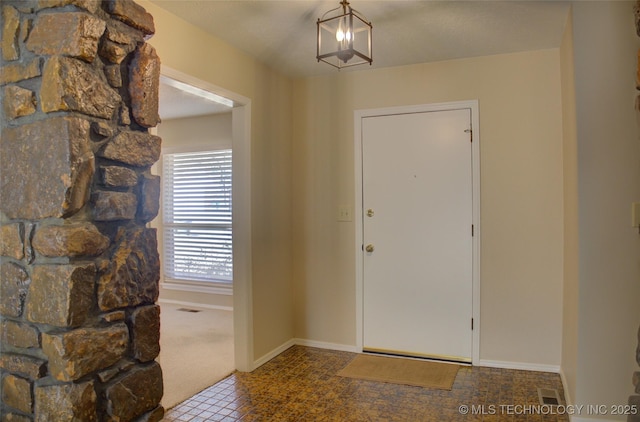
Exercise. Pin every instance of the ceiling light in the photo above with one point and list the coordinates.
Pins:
(344, 37)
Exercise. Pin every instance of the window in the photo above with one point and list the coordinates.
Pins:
(197, 216)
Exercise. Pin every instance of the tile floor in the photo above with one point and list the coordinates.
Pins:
(301, 385)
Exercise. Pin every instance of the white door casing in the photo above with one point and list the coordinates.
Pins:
(417, 183)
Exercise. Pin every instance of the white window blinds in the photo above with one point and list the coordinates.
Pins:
(197, 216)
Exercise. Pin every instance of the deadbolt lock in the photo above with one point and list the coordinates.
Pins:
(369, 248)
(369, 212)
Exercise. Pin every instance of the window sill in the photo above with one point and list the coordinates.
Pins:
(190, 286)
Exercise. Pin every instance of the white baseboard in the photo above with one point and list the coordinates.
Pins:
(196, 305)
(272, 354)
(198, 288)
(567, 396)
(523, 366)
(301, 342)
(325, 345)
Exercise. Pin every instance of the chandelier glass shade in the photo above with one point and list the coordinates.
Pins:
(344, 37)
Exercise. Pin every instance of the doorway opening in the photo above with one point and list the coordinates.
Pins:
(204, 241)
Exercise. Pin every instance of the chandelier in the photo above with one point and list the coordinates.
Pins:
(344, 37)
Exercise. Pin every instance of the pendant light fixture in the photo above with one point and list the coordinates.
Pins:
(344, 37)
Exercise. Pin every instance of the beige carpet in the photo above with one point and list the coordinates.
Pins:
(196, 350)
(402, 371)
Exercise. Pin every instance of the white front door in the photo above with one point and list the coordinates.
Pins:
(417, 205)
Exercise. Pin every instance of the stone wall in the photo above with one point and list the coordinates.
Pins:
(79, 271)
(635, 399)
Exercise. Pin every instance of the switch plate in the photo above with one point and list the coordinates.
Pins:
(345, 213)
(635, 214)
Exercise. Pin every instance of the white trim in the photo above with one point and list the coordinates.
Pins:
(567, 396)
(475, 152)
(198, 288)
(195, 305)
(302, 342)
(523, 366)
(272, 354)
(242, 241)
(325, 345)
(202, 93)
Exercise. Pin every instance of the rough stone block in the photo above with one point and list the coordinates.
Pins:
(14, 282)
(638, 349)
(135, 393)
(110, 373)
(114, 52)
(14, 417)
(120, 40)
(636, 12)
(19, 334)
(47, 168)
(72, 85)
(155, 415)
(125, 115)
(74, 34)
(30, 367)
(144, 85)
(144, 326)
(135, 148)
(102, 129)
(133, 15)
(74, 354)
(113, 206)
(10, 30)
(113, 316)
(16, 393)
(123, 34)
(89, 5)
(133, 274)
(76, 239)
(16, 72)
(634, 402)
(637, 108)
(61, 295)
(149, 203)
(116, 176)
(25, 28)
(18, 102)
(73, 402)
(11, 241)
(114, 75)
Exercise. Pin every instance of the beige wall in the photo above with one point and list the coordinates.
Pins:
(570, 186)
(605, 57)
(536, 306)
(521, 133)
(189, 50)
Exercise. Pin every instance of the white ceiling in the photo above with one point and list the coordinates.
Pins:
(282, 33)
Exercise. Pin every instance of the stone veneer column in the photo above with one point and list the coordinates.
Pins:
(635, 399)
(79, 271)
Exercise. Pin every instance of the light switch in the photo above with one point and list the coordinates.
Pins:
(345, 213)
(635, 214)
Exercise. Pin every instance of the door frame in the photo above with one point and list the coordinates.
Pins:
(359, 220)
(241, 219)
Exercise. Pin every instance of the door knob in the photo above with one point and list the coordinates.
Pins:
(369, 212)
(369, 248)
